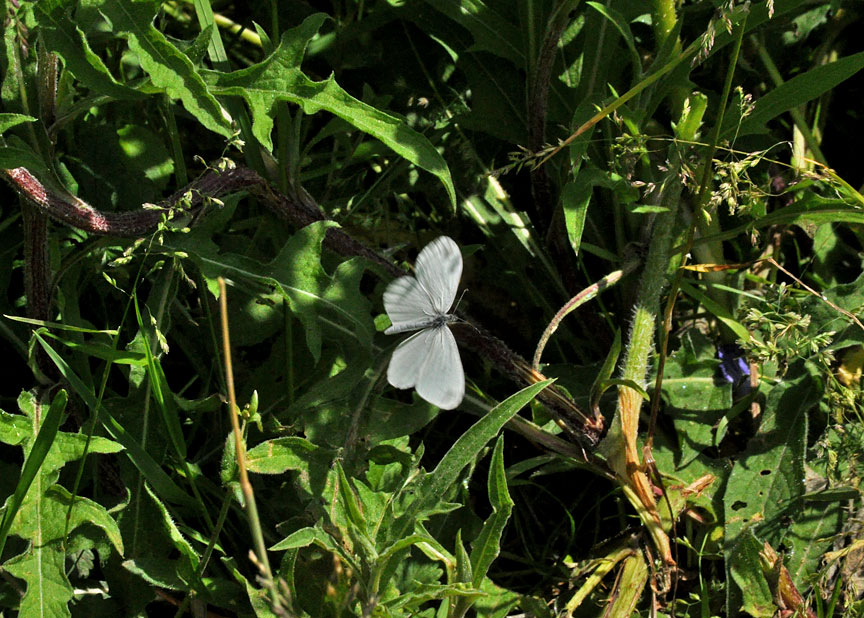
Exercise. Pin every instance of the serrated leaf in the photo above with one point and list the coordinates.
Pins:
(168, 67)
(136, 453)
(279, 78)
(63, 37)
(297, 273)
(49, 592)
(42, 522)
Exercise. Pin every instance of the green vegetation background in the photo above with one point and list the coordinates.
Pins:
(635, 184)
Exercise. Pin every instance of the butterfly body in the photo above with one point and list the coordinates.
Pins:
(429, 359)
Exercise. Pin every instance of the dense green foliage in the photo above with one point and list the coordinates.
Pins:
(636, 185)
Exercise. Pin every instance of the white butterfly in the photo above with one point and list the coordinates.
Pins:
(428, 360)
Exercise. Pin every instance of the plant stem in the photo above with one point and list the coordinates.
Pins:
(620, 444)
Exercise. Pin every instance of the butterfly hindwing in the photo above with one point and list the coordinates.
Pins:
(442, 380)
(429, 361)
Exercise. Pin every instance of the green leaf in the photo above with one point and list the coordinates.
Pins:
(168, 67)
(574, 200)
(7, 121)
(746, 570)
(577, 194)
(310, 536)
(11, 158)
(41, 519)
(36, 451)
(491, 31)
(797, 91)
(139, 457)
(809, 537)
(43, 523)
(63, 37)
(436, 484)
(811, 208)
(696, 403)
(43, 568)
(486, 546)
(279, 78)
(766, 485)
(297, 273)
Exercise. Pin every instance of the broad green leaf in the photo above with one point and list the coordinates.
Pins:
(695, 402)
(313, 535)
(311, 463)
(279, 78)
(297, 273)
(282, 454)
(577, 194)
(7, 121)
(168, 67)
(63, 37)
(37, 511)
(797, 91)
(486, 546)
(11, 158)
(16, 429)
(43, 569)
(464, 451)
(809, 537)
(574, 201)
(746, 570)
(765, 487)
(42, 522)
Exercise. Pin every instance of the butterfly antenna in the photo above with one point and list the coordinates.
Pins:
(456, 308)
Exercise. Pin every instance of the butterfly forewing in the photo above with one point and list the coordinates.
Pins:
(439, 268)
(408, 305)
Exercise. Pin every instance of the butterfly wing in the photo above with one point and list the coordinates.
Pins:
(408, 305)
(429, 361)
(439, 268)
